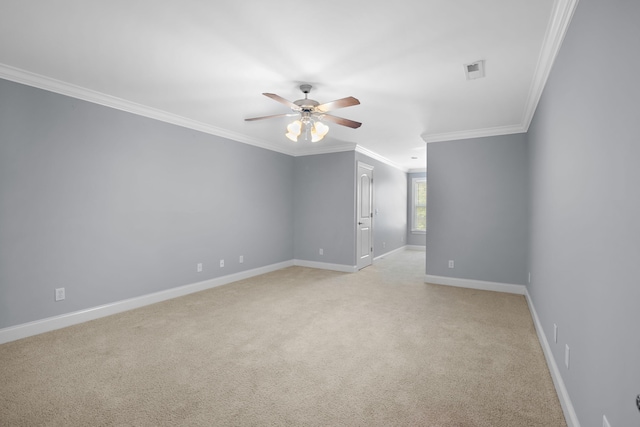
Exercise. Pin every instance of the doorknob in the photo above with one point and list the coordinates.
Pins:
(360, 223)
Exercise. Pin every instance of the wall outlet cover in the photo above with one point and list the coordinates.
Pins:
(60, 294)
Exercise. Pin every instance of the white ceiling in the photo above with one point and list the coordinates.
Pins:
(204, 64)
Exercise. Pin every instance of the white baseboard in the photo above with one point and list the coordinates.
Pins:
(476, 284)
(395, 251)
(36, 327)
(563, 395)
(326, 266)
(416, 248)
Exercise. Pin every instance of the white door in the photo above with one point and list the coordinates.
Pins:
(364, 214)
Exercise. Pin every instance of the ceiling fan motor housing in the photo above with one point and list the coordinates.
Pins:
(306, 104)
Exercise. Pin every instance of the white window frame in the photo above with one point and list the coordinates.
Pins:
(414, 195)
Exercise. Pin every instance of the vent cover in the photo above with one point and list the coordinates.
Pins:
(475, 70)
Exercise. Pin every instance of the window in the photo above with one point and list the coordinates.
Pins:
(419, 205)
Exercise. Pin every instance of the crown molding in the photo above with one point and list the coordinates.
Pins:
(562, 13)
(28, 78)
(476, 133)
(378, 157)
(348, 146)
(52, 85)
(561, 16)
(310, 150)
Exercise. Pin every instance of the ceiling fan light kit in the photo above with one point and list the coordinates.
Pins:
(311, 130)
(311, 113)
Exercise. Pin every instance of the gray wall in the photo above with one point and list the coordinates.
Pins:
(324, 208)
(414, 239)
(585, 218)
(112, 205)
(477, 209)
(390, 206)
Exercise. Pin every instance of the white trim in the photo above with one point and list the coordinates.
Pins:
(310, 150)
(422, 248)
(325, 266)
(562, 13)
(475, 133)
(395, 251)
(378, 157)
(28, 78)
(47, 83)
(36, 327)
(360, 259)
(420, 170)
(415, 180)
(476, 284)
(563, 395)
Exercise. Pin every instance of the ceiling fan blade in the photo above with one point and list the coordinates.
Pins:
(282, 100)
(270, 117)
(338, 103)
(341, 121)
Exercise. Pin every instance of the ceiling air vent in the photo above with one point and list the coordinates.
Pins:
(474, 70)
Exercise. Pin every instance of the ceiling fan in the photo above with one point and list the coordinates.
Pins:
(311, 113)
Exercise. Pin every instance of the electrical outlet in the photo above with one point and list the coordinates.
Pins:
(321, 251)
(451, 263)
(60, 294)
(221, 263)
(384, 245)
(199, 267)
(566, 355)
(605, 421)
(555, 333)
(241, 259)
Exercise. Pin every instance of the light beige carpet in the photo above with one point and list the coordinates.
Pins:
(299, 347)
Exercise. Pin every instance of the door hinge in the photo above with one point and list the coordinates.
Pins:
(371, 249)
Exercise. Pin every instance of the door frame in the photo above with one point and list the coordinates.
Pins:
(370, 168)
